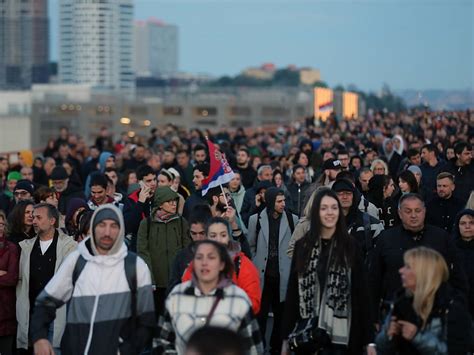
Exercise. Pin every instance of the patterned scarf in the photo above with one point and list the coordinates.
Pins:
(334, 309)
(165, 217)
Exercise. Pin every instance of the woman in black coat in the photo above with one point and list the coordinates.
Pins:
(327, 289)
(427, 317)
(463, 232)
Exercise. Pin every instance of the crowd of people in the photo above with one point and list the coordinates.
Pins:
(345, 237)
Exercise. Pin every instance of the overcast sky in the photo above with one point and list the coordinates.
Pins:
(409, 44)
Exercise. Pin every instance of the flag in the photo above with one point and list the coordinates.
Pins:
(326, 107)
(220, 171)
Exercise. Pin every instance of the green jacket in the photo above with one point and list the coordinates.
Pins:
(159, 246)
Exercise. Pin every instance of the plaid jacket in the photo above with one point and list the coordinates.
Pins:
(187, 308)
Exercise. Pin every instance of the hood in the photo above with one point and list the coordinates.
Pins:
(384, 147)
(102, 159)
(270, 197)
(27, 157)
(464, 212)
(376, 186)
(402, 144)
(163, 194)
(119, 243)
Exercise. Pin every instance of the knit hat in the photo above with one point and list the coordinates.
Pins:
(24, 185)
(59, 173)
(164, 194)
(415, 169)
(14, 175)
(27, 157)
(73, 205)
(103, 214)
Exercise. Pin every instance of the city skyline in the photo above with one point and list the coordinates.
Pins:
(407, 44)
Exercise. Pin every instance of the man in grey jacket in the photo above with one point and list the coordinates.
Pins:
(269, 235)
(39, 261)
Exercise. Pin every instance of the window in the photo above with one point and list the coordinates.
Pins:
(205, 111)
(240, 111)
(172, 111)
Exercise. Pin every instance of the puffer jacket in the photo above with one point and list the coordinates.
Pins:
(158, 241)
(245, 276)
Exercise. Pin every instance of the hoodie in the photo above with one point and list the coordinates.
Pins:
(99, 304)
(102, 160)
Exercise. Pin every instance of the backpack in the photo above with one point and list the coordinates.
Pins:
(291, 223)
(130, 265)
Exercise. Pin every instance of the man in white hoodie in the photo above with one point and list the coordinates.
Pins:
(108, 291)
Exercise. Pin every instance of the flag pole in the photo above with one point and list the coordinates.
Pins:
(223, 193)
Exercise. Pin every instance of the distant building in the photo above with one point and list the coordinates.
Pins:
(309, 76)
(265, 72)
(156, 49)
(24, 45)
(96, 44)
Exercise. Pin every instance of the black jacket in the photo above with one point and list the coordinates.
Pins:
(249, 175)
(192, 201)
(441, 212)
(66, 196)
(463, 178)
(449, 311)
(298, 194)
(384, 278)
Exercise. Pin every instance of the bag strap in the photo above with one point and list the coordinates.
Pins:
(213, 308)
(130, 264)
(257, 229)
(80, 264)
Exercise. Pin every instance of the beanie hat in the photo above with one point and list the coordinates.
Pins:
(24, 185)
(59, 173)
(27, 157)
(103, 214)
(164, 194)
(332, 164)
(415, 169)
(73, 205)
(14, 175)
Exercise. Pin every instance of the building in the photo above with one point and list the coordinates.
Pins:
(309, 76)
(96, 44)
(264, 72)
(156, 49)
(24, 45)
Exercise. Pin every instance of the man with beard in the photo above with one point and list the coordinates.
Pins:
(40, 259)
(222, 205)
(107, 291)
(269, 236)
(247, 172)
(64, 188)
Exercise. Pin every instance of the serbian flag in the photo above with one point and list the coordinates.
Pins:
(220, 171)
(325, 107)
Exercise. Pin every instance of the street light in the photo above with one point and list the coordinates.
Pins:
(125, 120)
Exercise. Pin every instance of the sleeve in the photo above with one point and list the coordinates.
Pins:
(249, 281)
(457, 276)
(244, 244)
(251, 336)
(187, 273)
(460, 328)
(384, 344)
(142, 244)
(186, 237)
(57, 292)
(251, 237)
(375, 278)
(11, 277)
(132, 215)
(291, 311)
(164, 343)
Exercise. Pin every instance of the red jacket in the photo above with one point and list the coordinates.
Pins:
(248, 279)
(9, 261)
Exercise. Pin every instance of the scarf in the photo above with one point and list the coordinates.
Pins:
(165, 217)
(333, 310)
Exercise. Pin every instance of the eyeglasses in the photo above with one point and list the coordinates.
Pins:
(21, 193)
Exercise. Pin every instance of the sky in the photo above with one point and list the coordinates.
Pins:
(408, 44)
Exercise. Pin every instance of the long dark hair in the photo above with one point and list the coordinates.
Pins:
(223, 255)
(343, 252)
(16, 219)
(410, 179)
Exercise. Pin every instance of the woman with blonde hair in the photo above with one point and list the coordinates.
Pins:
(379, 167)
(427, 317)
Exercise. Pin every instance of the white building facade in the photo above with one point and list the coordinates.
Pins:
(156, 49)
(96, 44)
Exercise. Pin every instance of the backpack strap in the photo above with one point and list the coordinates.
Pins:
(257, 230)
(80, 264)
(131, 275)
